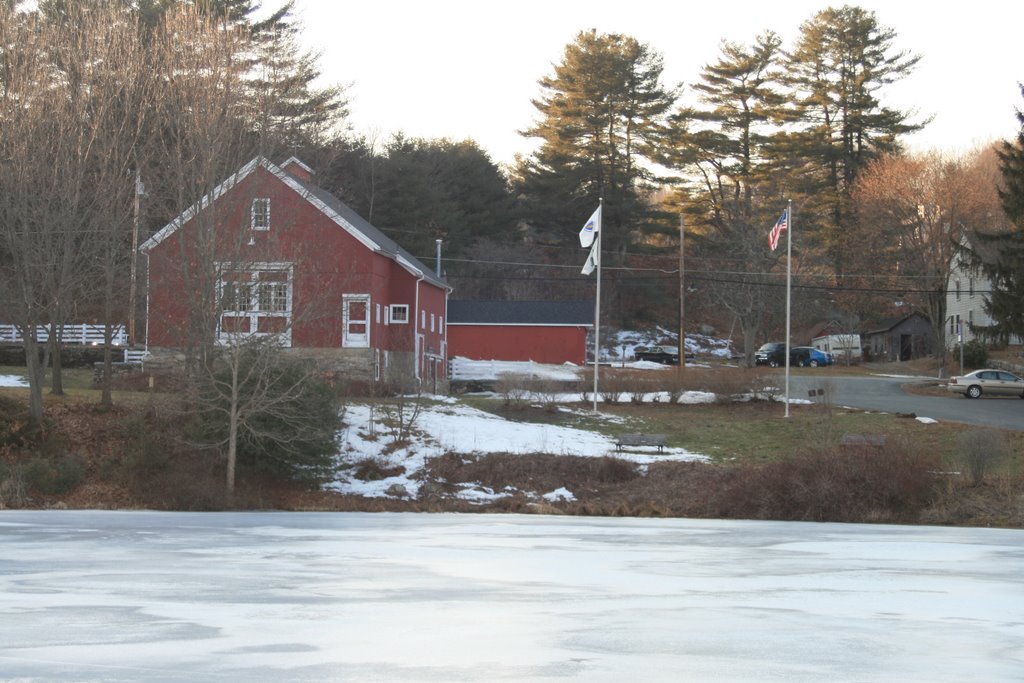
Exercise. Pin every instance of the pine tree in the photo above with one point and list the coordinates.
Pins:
(603, 113)
(1005, 303)
(288, 110)
(728, 138)
(841, 60)
(426, 190)
(734, 196)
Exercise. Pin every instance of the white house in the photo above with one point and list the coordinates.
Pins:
(966, 293)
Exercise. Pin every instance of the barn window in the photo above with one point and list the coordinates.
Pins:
(355, 320)
(256, 301)
(400, 314)
(261, 213)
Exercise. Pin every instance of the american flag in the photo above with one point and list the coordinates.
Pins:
(780, 226)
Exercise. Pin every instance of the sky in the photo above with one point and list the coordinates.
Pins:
(469, 69)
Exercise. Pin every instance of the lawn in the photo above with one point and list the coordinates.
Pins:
(78, 385)
(755, 431)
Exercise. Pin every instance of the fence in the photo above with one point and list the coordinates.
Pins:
(89, 335)
(464, 369)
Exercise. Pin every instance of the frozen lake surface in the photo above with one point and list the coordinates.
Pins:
(149, 596)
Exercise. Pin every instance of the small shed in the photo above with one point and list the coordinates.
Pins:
(900, 339)
(541, 331)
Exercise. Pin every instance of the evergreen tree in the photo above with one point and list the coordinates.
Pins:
(735, 194)
(423, 190)
(603, 114)
(1005, 303)
(842, 59)
(741, 99)
(287, 110)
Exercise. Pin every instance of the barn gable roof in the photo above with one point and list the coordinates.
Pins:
(332, 207)
(540, 313)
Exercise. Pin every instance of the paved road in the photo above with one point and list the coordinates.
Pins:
(887, 394)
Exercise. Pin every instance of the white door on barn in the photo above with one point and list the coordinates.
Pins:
(355, 320)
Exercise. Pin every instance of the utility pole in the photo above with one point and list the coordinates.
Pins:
(133, 287)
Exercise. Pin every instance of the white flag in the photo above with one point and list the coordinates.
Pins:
(595, 254)
(591, 228)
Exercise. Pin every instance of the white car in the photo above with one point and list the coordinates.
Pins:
(988, 383)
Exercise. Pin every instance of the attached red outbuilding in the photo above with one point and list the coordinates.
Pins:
(269, 254)
(539, 331)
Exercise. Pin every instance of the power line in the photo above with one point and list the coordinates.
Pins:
(675, 271)
(719, 280)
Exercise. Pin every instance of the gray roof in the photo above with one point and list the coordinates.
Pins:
(388, 246)
(887, 324)
(569, 313)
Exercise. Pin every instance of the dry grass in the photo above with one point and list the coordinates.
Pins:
(764, 466)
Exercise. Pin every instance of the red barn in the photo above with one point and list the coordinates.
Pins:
(541, 331)
(268, 253)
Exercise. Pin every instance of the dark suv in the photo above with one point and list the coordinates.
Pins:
(666, 355)
(772, 354)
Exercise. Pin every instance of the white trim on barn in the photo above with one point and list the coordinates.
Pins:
(208, 199)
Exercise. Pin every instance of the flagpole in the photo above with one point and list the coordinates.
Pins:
(682, 294)
(597, 299)
(789, 262)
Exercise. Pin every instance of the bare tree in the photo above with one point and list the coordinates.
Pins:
(911, 214)
(238, 289)
(73, 87)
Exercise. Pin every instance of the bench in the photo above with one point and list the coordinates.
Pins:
(873, 440)
(640, 440)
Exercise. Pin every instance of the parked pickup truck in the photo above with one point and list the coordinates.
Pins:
(666, 355)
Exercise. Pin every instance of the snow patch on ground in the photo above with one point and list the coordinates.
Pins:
(450, 427)
(927, 420)
(13, 381)
(559, 494)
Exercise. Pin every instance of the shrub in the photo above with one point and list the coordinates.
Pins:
(978, 449)
(834, 485)
(399, 409)
(513, 388)
(53, 475)
(13, 492)
(612, 384)
(147, 454)
(729, 384)
(975, 354)
(371, 469)
(288, 415)
(17, 429)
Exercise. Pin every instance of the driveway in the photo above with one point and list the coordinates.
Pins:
(887, 394)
